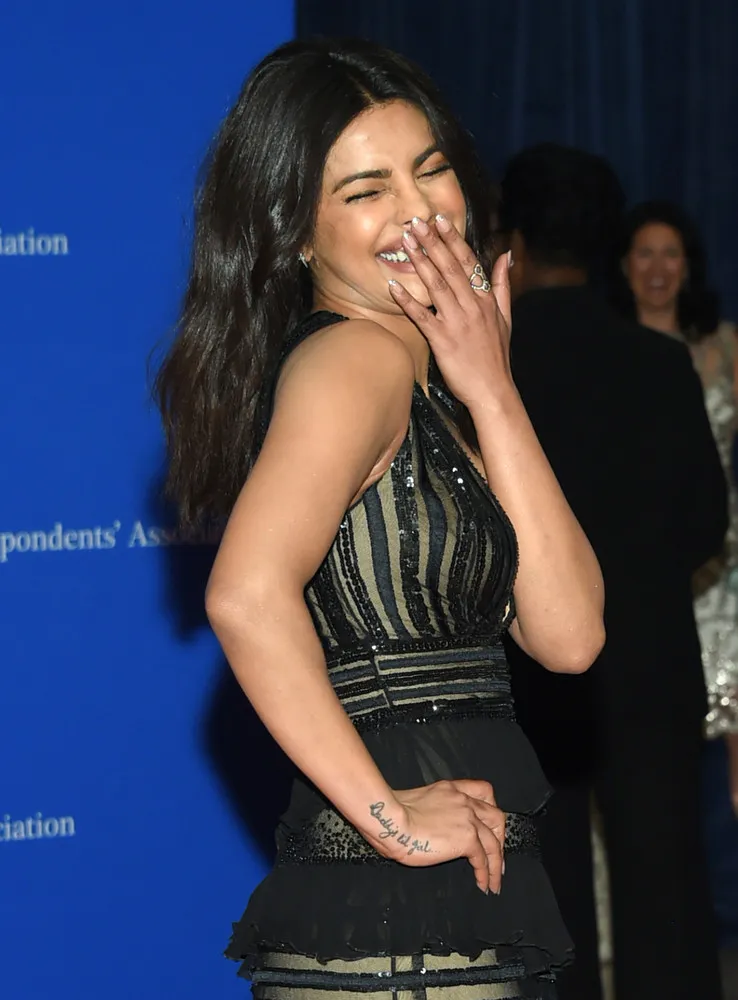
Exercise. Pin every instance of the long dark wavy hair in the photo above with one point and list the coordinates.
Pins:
(255, 210)
(698, 305)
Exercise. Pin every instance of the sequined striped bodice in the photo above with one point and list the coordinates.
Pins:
(416, 590)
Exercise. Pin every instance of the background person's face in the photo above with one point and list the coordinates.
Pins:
(656, 266)
(360, 221)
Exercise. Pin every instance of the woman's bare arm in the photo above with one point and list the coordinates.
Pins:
(559, 593)
(342, 406)
(342, 410)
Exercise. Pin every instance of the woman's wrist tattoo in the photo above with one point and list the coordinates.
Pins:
(391, 831)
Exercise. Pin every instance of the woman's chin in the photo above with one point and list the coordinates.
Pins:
(666, 299)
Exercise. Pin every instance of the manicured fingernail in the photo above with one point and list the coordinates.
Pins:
(393, 284)
(509, 259)
(443, 224)
(410, 241)
(420, 226)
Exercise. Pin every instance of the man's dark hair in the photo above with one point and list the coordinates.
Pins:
(567, 204)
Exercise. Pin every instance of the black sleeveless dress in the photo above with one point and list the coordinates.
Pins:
(411, 603)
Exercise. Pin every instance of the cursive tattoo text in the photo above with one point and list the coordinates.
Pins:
(390, 830)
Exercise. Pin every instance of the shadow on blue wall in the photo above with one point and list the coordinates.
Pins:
(254, 773)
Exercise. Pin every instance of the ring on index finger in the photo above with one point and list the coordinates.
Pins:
(479, 280)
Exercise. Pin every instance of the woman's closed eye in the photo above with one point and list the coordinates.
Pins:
(361, 195)
(441, 169)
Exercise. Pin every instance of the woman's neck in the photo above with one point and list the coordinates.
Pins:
(663, 320)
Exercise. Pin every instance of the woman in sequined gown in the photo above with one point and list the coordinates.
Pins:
(665, 268)
(391, 516)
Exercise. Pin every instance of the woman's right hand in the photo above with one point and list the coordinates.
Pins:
(439, 822)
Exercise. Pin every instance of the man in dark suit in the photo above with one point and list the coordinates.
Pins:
(620, 413)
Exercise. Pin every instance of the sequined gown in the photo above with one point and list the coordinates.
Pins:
(716, 585)
(410, 604)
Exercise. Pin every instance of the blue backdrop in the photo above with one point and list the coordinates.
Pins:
(132, 827)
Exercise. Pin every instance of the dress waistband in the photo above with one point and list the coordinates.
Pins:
(329, 839)
(394, 684)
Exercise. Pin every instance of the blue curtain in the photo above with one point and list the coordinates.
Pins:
(650, 84)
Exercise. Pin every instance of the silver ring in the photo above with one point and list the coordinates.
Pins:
(479, 280)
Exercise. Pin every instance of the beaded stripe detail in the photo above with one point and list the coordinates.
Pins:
(437, 677)
(491, 976)
(360, 982)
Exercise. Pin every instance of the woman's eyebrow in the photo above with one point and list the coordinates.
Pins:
(364, 175)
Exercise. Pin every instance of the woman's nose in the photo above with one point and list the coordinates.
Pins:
(413, 203)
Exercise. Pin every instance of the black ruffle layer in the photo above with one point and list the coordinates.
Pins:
(348, 910)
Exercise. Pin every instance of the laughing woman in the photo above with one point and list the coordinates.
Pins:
(340, 388)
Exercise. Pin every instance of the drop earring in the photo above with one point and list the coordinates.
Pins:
(302, 258)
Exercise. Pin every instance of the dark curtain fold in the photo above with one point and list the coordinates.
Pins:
(650, 84)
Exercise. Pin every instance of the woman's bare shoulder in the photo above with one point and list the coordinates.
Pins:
(351, 348)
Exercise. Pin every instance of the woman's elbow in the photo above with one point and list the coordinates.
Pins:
(578, 654)
(223, 608)
(249, 602)
(228, 601)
